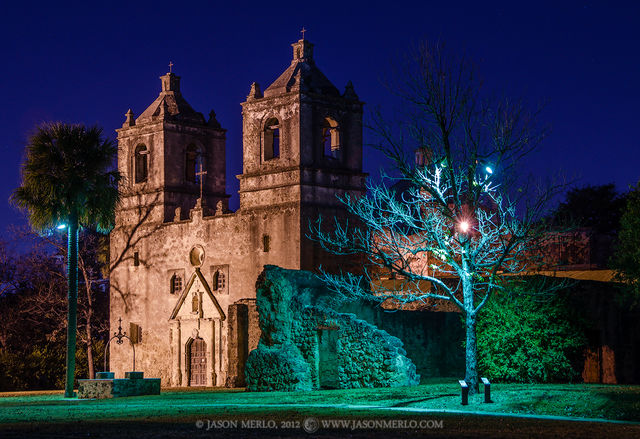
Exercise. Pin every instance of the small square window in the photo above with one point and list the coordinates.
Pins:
(135, 332)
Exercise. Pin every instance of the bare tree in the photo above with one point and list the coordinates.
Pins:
(95, 318)
(33, 300)
(91, 265)
(454, 225)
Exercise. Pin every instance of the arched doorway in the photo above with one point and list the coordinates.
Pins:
(197, 362)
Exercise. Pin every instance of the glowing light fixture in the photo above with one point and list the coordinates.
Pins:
(61, 226)
(489, 170)
(464, 226)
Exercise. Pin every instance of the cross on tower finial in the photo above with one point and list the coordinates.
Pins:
(170, 66)
(303, 31)
(201, 174)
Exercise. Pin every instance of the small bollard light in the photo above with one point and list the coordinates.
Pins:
(465, 392)
(487, 390)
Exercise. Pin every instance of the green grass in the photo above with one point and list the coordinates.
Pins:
(613, 402)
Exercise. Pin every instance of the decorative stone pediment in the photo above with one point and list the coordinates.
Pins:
(197, 301)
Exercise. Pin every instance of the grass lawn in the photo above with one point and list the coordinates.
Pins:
(611, 402)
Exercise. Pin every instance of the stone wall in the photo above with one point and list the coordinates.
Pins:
(433, 340)
(142, 295)
(307, 345)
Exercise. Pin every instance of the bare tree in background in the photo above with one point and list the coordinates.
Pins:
(455, 224)
(93, 284)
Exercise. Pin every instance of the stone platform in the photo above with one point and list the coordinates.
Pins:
(106, 386)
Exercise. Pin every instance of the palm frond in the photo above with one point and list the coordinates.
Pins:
(68, 168)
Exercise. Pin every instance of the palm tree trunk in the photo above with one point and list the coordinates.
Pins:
(72, 297)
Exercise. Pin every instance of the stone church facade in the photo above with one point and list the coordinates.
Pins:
(185, 266)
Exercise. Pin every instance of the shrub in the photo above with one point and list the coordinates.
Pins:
(524, 339)
(279, 367)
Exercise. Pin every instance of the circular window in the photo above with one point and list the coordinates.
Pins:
(196, 256)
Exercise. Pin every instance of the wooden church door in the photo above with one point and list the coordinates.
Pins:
(198, 363)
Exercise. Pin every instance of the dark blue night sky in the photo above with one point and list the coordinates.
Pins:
(90, 64)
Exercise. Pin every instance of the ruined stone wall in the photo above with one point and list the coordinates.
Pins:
(433, 340)
(367, 356)
(293, 308)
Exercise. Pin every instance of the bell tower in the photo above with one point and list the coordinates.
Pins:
(171, 154)
(302, 148)
(302, 138)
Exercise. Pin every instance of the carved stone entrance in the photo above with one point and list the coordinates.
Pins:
(196, 333)
(197, 361)
(328, 358)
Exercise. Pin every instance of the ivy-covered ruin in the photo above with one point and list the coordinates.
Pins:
(306, 344)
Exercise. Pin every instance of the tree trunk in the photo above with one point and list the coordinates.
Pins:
(88, 317)
(471, 354)
(471, 350)
(92, 372)
(72, 302)
(90, 351)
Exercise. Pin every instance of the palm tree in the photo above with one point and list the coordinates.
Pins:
(67, 178)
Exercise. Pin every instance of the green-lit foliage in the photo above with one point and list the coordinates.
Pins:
(524, 339)
(41, 366)
(279, 367)
(627, 257)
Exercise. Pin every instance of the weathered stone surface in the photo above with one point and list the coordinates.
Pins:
(161, 219)
(105, 375)
(114, 388)
(136, 387)
(294, 308)
(134, 375)
(95, 389)
(433, 340)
